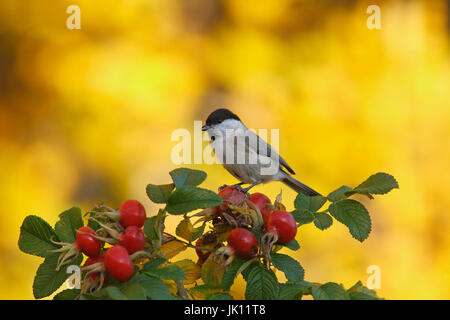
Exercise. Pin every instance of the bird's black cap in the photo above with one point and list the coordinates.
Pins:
(220, 115)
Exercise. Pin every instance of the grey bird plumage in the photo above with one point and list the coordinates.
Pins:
(245, 155)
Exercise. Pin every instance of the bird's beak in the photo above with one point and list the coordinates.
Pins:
(205, 127)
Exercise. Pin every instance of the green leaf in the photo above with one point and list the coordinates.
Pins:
(303, 216)
(220, 296)
(188, 198)
(68, 294)
(154, 263)
(187, 177)
(134, 291)
(291, 267)
(212, 273)
(171, 272)
(311, 203)
(115, 293)
(186, 230)
(360, 292)
(155, 288)
(203, 291)
(47, 279)
(35, 235)
(197, 232)
(250, 264)
(231, 273)
(159, 193)
(293, 245)
(329, 291)
(290, 291)
(68, 223)
(354, 215)
(150, 228)
(379, 183)
(338, 194)
(322, 220)
(262, 284)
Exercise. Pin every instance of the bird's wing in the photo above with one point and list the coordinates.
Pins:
(263, 148)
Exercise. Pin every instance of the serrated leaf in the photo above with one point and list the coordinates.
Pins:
(187, 177)
(311, 203)
(359, 292)
(184, 229)
(159, 193)
(212, 273)
(151, 228)
(322, 220)
(290, 267)
(230, 274)
(68, 294)
(293, 245)
(67, 225)
(249, 266)
(155, 288)
(170, 272)
(262, 284)
(220, 296)
(378, 183)
(172, 248)
(354, 215)
(202, 292)
(302, 216)
(47, 279)
(329, 291)
(115, 293)
(197, 232)
(35, 235)
(190, 269)
(188, 198)
(338, 194)
(154, 263)
(290, 291)
(134, 291)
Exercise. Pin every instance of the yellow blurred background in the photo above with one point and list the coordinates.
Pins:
(87, 116)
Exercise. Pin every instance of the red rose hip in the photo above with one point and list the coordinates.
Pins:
(133, 239)
(118, 263)
(283, 224)
(263, 203)
(243, 243)
(132, 213)
(87, 243)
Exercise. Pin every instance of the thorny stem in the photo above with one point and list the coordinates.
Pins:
(181, 289)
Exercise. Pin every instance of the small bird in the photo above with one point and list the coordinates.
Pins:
(246, 156)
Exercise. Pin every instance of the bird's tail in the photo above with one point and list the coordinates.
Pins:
(298, 187)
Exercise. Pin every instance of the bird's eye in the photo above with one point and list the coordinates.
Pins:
(213, 138)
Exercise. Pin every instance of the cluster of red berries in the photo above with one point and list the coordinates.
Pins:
(279, 225)
(123, 231)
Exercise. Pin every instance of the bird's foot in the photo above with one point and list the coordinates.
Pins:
(237, 186)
